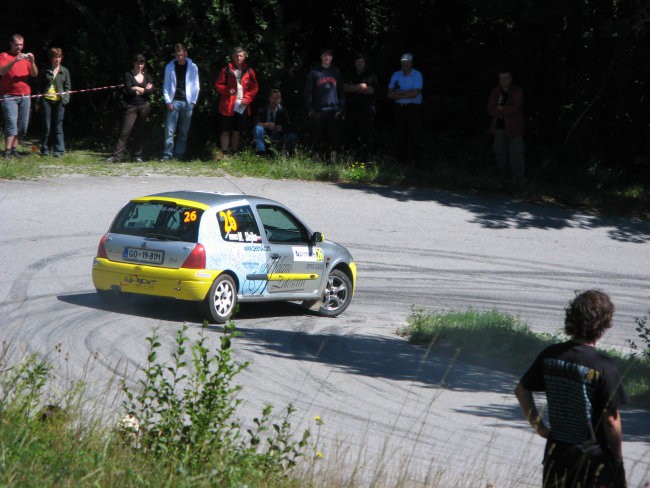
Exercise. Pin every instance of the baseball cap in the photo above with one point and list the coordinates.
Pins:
(407, 57)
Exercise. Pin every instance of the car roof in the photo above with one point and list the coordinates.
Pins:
(210, 198)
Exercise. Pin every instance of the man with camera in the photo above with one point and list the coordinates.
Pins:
(16, 68)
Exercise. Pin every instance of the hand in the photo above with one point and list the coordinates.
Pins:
(270, 125)
(149, 86)
(233, 91)
(543, 431)
(362, 86)
(170, 107)
(30, 57)
(338, 115)
(278, 128)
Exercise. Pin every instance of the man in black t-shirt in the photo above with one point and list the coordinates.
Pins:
(360, 87)
(584, 392)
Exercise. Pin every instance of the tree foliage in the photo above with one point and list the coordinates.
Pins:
(582, 63)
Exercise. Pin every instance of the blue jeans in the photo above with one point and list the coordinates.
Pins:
(15, 109)
(286, 140)
(179, 118)
(510, 155)
(59, 110)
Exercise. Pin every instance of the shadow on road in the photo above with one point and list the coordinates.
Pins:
(171, 310)
(378, 356)
(509, 213)
(394, 359)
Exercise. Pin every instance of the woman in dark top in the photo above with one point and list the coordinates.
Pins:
(138, 84)
(55, 82)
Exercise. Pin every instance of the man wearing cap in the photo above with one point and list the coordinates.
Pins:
(16, 67)
(405, 88)
(325, 103)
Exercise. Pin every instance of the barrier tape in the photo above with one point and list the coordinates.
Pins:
(41, 95)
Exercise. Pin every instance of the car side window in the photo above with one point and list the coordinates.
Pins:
(238, 224)
(280, 226)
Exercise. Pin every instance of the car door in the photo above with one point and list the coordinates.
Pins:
(296, 265)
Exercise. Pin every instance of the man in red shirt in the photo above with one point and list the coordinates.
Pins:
(505, 108)
(16, 68)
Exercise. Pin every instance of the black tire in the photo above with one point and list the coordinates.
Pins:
(337, 295)
(221, 300)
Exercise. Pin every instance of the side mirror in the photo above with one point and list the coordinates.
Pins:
(317, 237)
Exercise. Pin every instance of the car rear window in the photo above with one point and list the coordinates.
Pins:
(163, 220)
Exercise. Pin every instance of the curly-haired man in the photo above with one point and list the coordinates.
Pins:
(584, 392)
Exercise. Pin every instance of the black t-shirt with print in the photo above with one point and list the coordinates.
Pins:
(581, 386)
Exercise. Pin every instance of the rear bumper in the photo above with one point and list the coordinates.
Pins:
(184, 284)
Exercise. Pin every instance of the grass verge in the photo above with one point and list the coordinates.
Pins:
(502, 341)
(450, 169)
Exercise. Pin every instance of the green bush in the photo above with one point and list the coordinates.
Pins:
(505, 342)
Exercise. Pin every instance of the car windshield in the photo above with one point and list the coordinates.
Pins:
(161, 220)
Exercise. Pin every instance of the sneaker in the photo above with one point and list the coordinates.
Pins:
(112, 159)
(7, 154)
(165, 159)
(57, 155)
(16, 154)
(138, 160)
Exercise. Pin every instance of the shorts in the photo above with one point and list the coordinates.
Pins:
(15, 109)
(235, 123)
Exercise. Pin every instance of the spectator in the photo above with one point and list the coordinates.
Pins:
(405, 88)
(505, 107)
(272, 121)
(16, 67)
(325, 104)
(360, 88)
(584, 392)
(138, 85)
(238, 87)
(56, 81)
(180, 92)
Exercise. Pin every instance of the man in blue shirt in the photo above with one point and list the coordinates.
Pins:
(325, 104)
(405, 88)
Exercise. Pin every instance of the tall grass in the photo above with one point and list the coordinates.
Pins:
(178, 427)
(504, 341)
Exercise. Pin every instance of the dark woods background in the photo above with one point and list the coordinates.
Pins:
(583, 65)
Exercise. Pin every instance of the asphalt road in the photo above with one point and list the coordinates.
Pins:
(390, 408)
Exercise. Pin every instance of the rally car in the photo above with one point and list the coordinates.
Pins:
(219, 249)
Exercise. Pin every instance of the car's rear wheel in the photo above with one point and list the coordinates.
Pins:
(337, 295)
(220, 302)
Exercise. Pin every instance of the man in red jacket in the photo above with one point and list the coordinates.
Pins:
(238, 87)
(505, 107)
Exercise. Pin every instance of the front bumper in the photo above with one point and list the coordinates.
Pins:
(182, 283)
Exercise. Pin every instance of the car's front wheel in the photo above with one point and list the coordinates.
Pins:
(220, 302)
(337, 295)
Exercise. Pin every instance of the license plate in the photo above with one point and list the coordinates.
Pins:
(143, 255)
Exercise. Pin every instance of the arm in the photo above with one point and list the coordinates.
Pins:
(614, 433)
(67, 86)
(34, 69)
(492, 104)
(148, 84)
(309, 88)
(340, 93)
(527, 405)
(194, 84)
(220, 85)
(167, 86)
